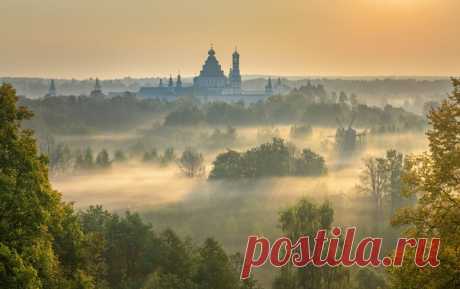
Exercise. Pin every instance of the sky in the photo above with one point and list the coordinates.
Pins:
(150, 38)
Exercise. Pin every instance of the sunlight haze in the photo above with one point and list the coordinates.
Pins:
(145, 38)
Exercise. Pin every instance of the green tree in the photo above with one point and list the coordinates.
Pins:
(214, 269)
(119, 156)
(60, 158)
(227, 166)
(88, 159)
(40, 240)
(309, 164)
(305, 219)
(275, 158)
(102, 160)
(434, 177)
(168, 156)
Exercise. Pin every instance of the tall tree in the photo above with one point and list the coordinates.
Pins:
(305, 219)
(375, 182)
(40, 240)
(434, 176)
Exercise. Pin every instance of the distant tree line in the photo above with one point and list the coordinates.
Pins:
(310, 104)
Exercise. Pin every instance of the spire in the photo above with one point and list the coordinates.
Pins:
(97, 86)
(171, 82)
(235, 76)
(178, 81)
(97, 91)
(236, 51)
(52, 89)
(269, 87)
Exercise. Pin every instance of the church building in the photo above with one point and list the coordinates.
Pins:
(210, 84)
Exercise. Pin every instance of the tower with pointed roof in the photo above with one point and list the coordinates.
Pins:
(97, 91)
(269, 87)
(170, 83)
(235, 76)
(178, 82)
(52, 89)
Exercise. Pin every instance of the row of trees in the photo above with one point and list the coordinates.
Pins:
(62, 158)
(275, 158)
(310, 103)
(127, 253)
(293, 108)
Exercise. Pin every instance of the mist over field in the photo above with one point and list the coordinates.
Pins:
(168, 198)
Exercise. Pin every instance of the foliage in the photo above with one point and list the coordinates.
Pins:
(135, 256)
(40, 241)
(434, 177)
(191, 163)
(102, 160)
(169, 156)
(305, 219)
(275, 158)
(309, 103)
(381, 181)
(119, 156)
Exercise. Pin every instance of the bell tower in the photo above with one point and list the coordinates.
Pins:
(235, 76)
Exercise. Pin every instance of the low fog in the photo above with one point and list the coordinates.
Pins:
(198, 207)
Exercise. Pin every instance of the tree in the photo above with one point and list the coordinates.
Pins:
(151, 156)
(275, 158)
(40, 240)
(88, 159)
(434, 177)
(60, 158)
(227, 166)
(375, 182)
(215, 270)
(191, 163)
(102, 160)
(309, 164)
(168, 156)
(119, 156)
(305, 219)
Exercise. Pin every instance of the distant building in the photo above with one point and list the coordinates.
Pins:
(210, 84)
(51, 89)
(211, 80)
(170, 93)
(269, 87)
(97, 91)
(234, 75)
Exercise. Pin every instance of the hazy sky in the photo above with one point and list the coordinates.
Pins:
(114, 38)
